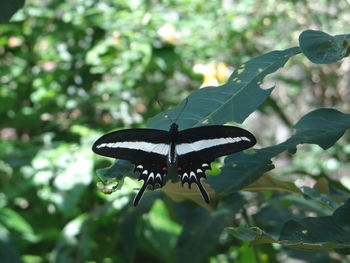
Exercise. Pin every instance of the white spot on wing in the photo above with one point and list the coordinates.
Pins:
(145, 172)
(199, 171)
(192, 174)
(139, 166)
(151, 175)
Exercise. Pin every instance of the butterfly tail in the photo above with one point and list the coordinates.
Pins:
(140, 193)
(203, 192)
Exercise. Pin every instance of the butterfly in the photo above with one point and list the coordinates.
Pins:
(190, 151)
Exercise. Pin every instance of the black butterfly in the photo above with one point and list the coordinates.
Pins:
(191, 151)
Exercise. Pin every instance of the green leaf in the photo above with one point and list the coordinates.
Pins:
(162, 232)
(323, 127)
(14, 221)
(326, 232)
(231, 102)
(116, 172)
(308, 204)
(247, 254)
(276, 212)
(128, 223)
(322, 48)
(254, 235)
(310, 233)
(69, 240)
(324, 199)
(178, 193)
(201, 232)
(268, 183)
(8, 8)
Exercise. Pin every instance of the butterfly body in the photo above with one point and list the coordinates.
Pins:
(191, 151)
(172, 155)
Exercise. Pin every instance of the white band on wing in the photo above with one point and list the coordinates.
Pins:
(159, 148)
(185, 148)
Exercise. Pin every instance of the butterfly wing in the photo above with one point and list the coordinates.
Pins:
(145, 148)
(191, 169)
(198, 147)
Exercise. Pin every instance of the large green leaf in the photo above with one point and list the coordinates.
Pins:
(311, 233)
(322, 48)
(231, 102)
(323, 127)
(8, 8)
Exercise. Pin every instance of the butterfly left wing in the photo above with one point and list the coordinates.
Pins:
(198, 147)
(152, 170)
(145, 148)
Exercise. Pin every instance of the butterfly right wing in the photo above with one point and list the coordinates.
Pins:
(198, 147)
(145, 148)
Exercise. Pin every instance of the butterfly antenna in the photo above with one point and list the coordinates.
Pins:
(183, 108)
(178, 115)
(164, 110)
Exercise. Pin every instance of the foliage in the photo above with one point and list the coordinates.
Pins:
(74, 70)
(310, 233)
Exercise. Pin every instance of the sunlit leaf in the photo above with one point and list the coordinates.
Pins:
(161, 232)
(17, 223)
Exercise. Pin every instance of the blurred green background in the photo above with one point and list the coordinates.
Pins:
(73, 70)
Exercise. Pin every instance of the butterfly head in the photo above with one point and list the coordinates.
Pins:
(174, 127)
